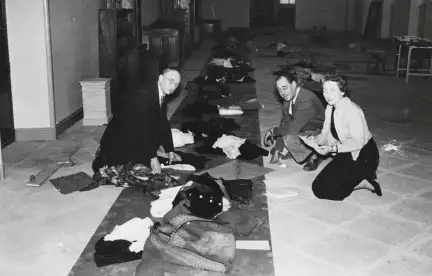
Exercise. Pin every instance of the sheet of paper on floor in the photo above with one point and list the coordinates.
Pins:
(253, 245)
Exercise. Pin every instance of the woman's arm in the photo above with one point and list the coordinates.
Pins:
(322, 138)
(357, 129)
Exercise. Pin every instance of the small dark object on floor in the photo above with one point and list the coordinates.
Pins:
(72, 183)
(268, 33)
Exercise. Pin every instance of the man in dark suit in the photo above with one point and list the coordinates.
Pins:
(140, 127)
(302, 114)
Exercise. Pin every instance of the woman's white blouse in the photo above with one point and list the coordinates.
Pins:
(351, 126)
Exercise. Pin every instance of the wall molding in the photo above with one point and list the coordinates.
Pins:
(69, 121)
(35, 134)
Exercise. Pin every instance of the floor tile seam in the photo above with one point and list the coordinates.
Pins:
(408, 164)
(410, 176)
(39, 147)
(403, 197)
(319, 260)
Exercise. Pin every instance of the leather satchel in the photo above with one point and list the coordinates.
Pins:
(195, 242)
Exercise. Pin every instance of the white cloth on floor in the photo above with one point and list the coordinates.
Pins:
(163, 204)
(135, 230)
(230, 145)
(179, 167)
(180, 138)
(229, 111)
(222, 62)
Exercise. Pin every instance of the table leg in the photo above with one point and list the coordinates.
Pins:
(2, 168)
(398, 60)
(408, 64)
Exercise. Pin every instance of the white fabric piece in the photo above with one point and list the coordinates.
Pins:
(179, 167)
(280, 46)
(229, 111)
(222, 62)
(163, 204)
(135, 230)
(180, 138)
(230, 145)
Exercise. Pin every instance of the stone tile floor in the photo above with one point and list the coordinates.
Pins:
(43, 232)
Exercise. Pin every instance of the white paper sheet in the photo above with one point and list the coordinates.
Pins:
(253, 245)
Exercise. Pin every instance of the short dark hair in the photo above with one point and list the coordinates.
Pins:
(340, 80)
(289, 76)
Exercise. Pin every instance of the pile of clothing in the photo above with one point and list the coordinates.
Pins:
(194, 225)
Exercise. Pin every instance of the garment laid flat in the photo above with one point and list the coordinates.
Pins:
(135, 133)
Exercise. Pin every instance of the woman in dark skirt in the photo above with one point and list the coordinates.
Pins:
(345, 135)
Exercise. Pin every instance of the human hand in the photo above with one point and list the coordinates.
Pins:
(324, 150)
(269, 138)
(155, 165)
(320, 140)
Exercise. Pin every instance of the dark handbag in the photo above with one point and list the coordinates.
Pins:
(204, 196)
(240, 190)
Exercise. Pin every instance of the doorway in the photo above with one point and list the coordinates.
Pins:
(374, 19)
(6, 113)
(286, 13)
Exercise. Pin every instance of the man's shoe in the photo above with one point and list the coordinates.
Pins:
(312, 163)
(275, 157)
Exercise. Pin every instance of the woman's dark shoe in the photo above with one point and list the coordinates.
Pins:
(275, 157)
(377, 187)
(312, 163)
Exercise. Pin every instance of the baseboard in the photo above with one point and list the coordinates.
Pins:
(35, 134)
(69, 121)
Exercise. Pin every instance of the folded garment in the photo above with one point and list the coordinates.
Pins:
(180, 138)
(135, 231)
(240, 220)
(197, 161)
(230, 145)
(230, 110)
(179, 167)
(198, 108)
(114, 252)
(214, 128)
(72, 183)
(248, 150)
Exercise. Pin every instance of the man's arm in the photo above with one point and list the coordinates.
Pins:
(165, 135)
(285, 120)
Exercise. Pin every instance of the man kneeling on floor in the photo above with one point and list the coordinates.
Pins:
(302, 115)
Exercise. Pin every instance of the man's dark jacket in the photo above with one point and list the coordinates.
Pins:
(307, 114)
(136, 131)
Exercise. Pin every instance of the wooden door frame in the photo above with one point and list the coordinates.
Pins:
(3, 26)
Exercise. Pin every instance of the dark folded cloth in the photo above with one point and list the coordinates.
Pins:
(200, 107)
(240, 220)
(114, 252)
(72, 183)
(214, 128)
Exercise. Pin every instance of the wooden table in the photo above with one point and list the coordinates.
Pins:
(412, 44)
